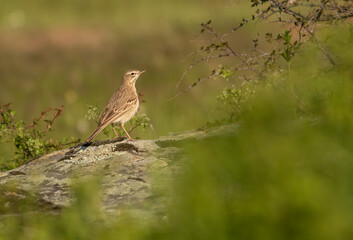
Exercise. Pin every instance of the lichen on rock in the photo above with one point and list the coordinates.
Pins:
(125, 169)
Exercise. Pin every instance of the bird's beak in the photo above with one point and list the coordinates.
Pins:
(142, 71)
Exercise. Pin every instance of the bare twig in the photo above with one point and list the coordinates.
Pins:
(193, 85)
(291, 14)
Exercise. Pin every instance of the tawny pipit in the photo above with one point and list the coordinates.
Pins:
(122, 106)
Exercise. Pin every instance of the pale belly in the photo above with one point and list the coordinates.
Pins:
(128, 115)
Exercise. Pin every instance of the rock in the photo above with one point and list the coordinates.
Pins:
(125, 169)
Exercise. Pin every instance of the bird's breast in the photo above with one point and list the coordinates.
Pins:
(128, 115)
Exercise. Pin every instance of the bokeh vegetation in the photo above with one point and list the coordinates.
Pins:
(285, 175)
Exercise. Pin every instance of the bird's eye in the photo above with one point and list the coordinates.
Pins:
(132, 74)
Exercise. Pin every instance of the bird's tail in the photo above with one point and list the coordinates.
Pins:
(94, 134)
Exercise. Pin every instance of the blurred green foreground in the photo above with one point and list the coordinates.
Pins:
(287, 174)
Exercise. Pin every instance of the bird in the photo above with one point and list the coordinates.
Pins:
(122, 106)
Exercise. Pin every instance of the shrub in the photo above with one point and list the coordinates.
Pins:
(29, 141)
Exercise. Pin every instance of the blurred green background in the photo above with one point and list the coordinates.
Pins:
(286, 175)
(74, 53)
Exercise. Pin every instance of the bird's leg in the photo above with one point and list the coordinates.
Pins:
(113, 124)
(122, 125)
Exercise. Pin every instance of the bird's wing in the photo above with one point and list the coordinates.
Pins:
(118, 105)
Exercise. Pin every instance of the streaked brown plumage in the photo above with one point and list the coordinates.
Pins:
(122, 106)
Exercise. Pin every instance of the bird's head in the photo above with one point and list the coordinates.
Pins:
(132, 75)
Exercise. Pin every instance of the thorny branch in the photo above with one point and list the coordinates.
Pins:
(29, 140)
(300, 17)
(49, 122)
